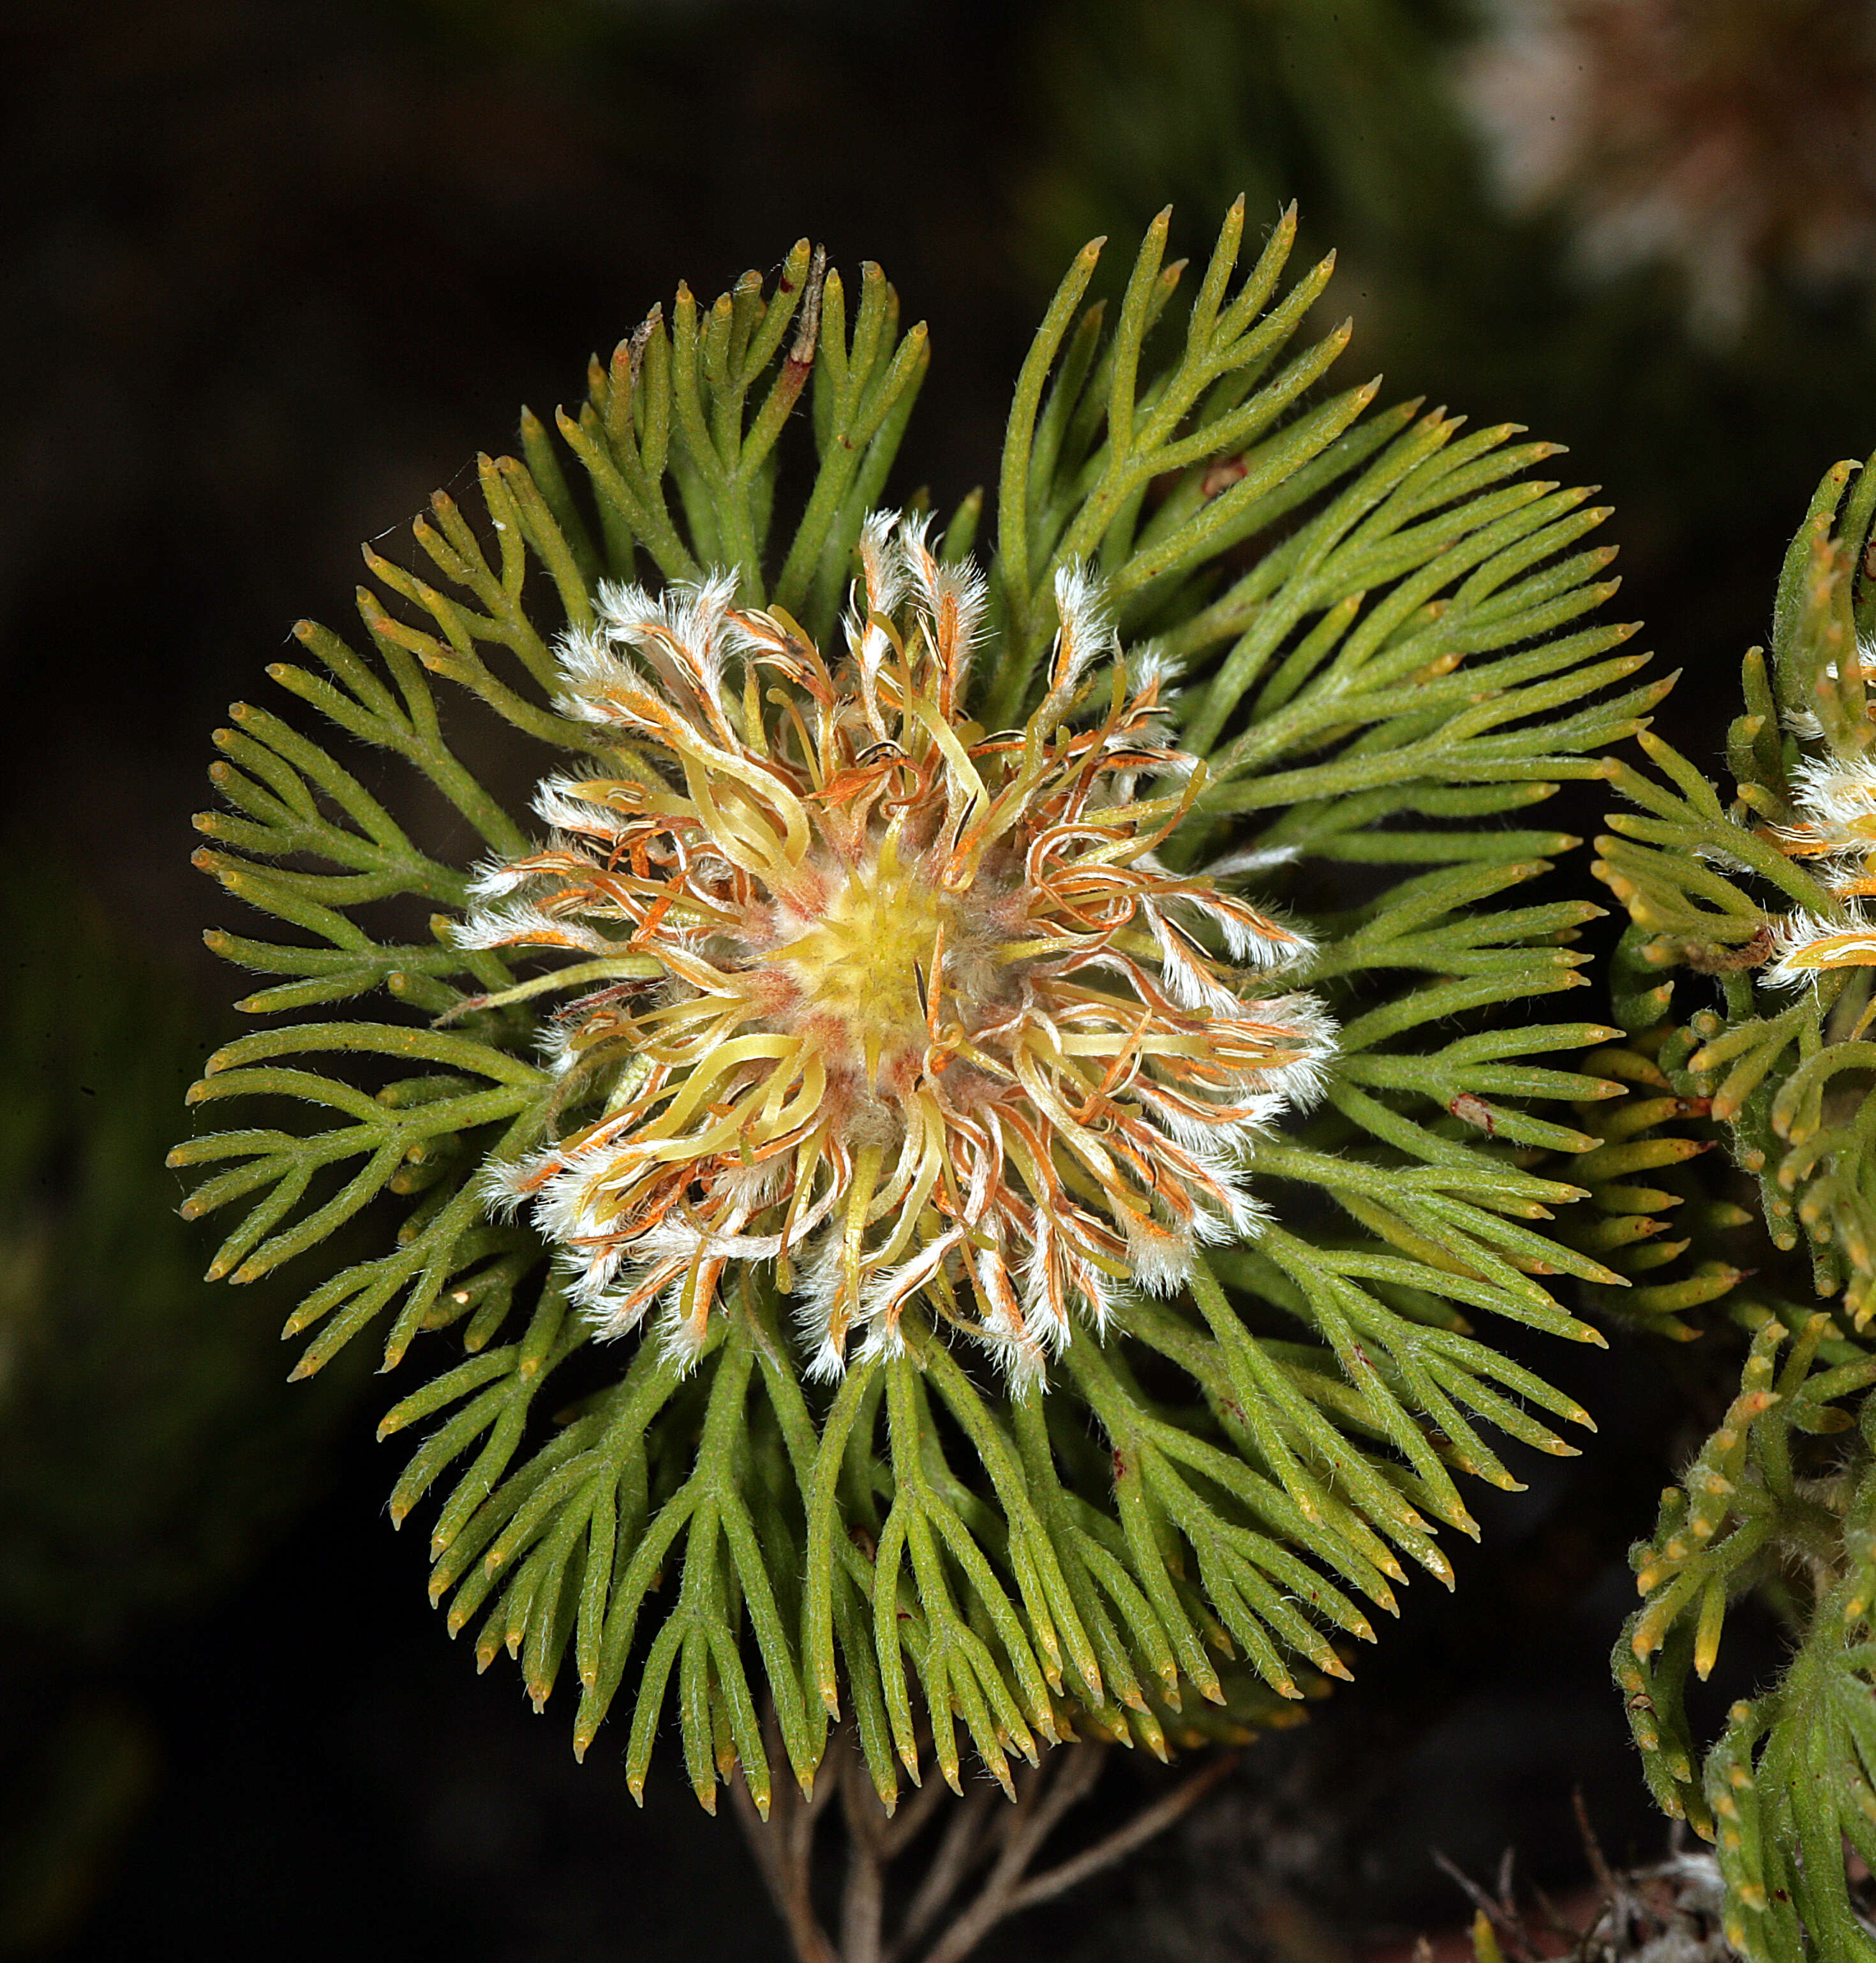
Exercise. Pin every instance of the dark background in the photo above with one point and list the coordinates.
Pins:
(272, 270)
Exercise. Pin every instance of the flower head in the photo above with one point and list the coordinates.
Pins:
(1835, 798)
(905, 1006)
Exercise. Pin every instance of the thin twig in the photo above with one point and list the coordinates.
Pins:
(1116, 1846)
(1599, 1866)
(784, 1855)
(1509, 1926)
(956, 1855)
(906, 1824)
(1079, 1766)
(783, 1846)
(863, 1902)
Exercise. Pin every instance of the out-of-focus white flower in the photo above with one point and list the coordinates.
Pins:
(1733, 138)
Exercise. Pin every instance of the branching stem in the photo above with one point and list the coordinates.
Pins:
(982, 1835)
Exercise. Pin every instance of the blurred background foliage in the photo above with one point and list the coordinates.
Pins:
(273, 269)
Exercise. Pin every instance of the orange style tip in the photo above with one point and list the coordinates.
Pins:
(1212, 1691)
(636, 1787)
(1583, 1333)
(1286, 1687)
(304, 1368)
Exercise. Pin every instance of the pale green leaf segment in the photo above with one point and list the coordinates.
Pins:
(1382, 622)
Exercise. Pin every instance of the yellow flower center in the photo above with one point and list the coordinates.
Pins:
(866, 965)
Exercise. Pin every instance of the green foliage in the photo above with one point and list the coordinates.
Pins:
(1762, 1508)
(1648, 1215)
(1708, 888)
(1382, 619)
(1779, 1501)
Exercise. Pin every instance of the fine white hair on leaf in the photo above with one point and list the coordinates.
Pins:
(1148, 663)
(1039, 1260)
(882, 563)
(1252, 859)
(567, 809)
(626, 609)
(1086, 633)
(1841, 792)
(1160, 1256)
(820, 1282)
(586, 657)
(952, 598)
(680, 1340)
(1097, 1292)
(496, 879)
(1246, 933)
(1186, 980)
(1852, 941)
(697, 627)
(519, 923)
(502, 1188)
(684, 625)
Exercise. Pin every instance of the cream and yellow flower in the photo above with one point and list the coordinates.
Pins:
(905, 1006)
(1835, 798)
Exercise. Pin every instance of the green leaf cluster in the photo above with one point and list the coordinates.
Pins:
(1649, 1215)
(1706, 885)
(1778, 1503)
(1766, 1508)
(1382, 622)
